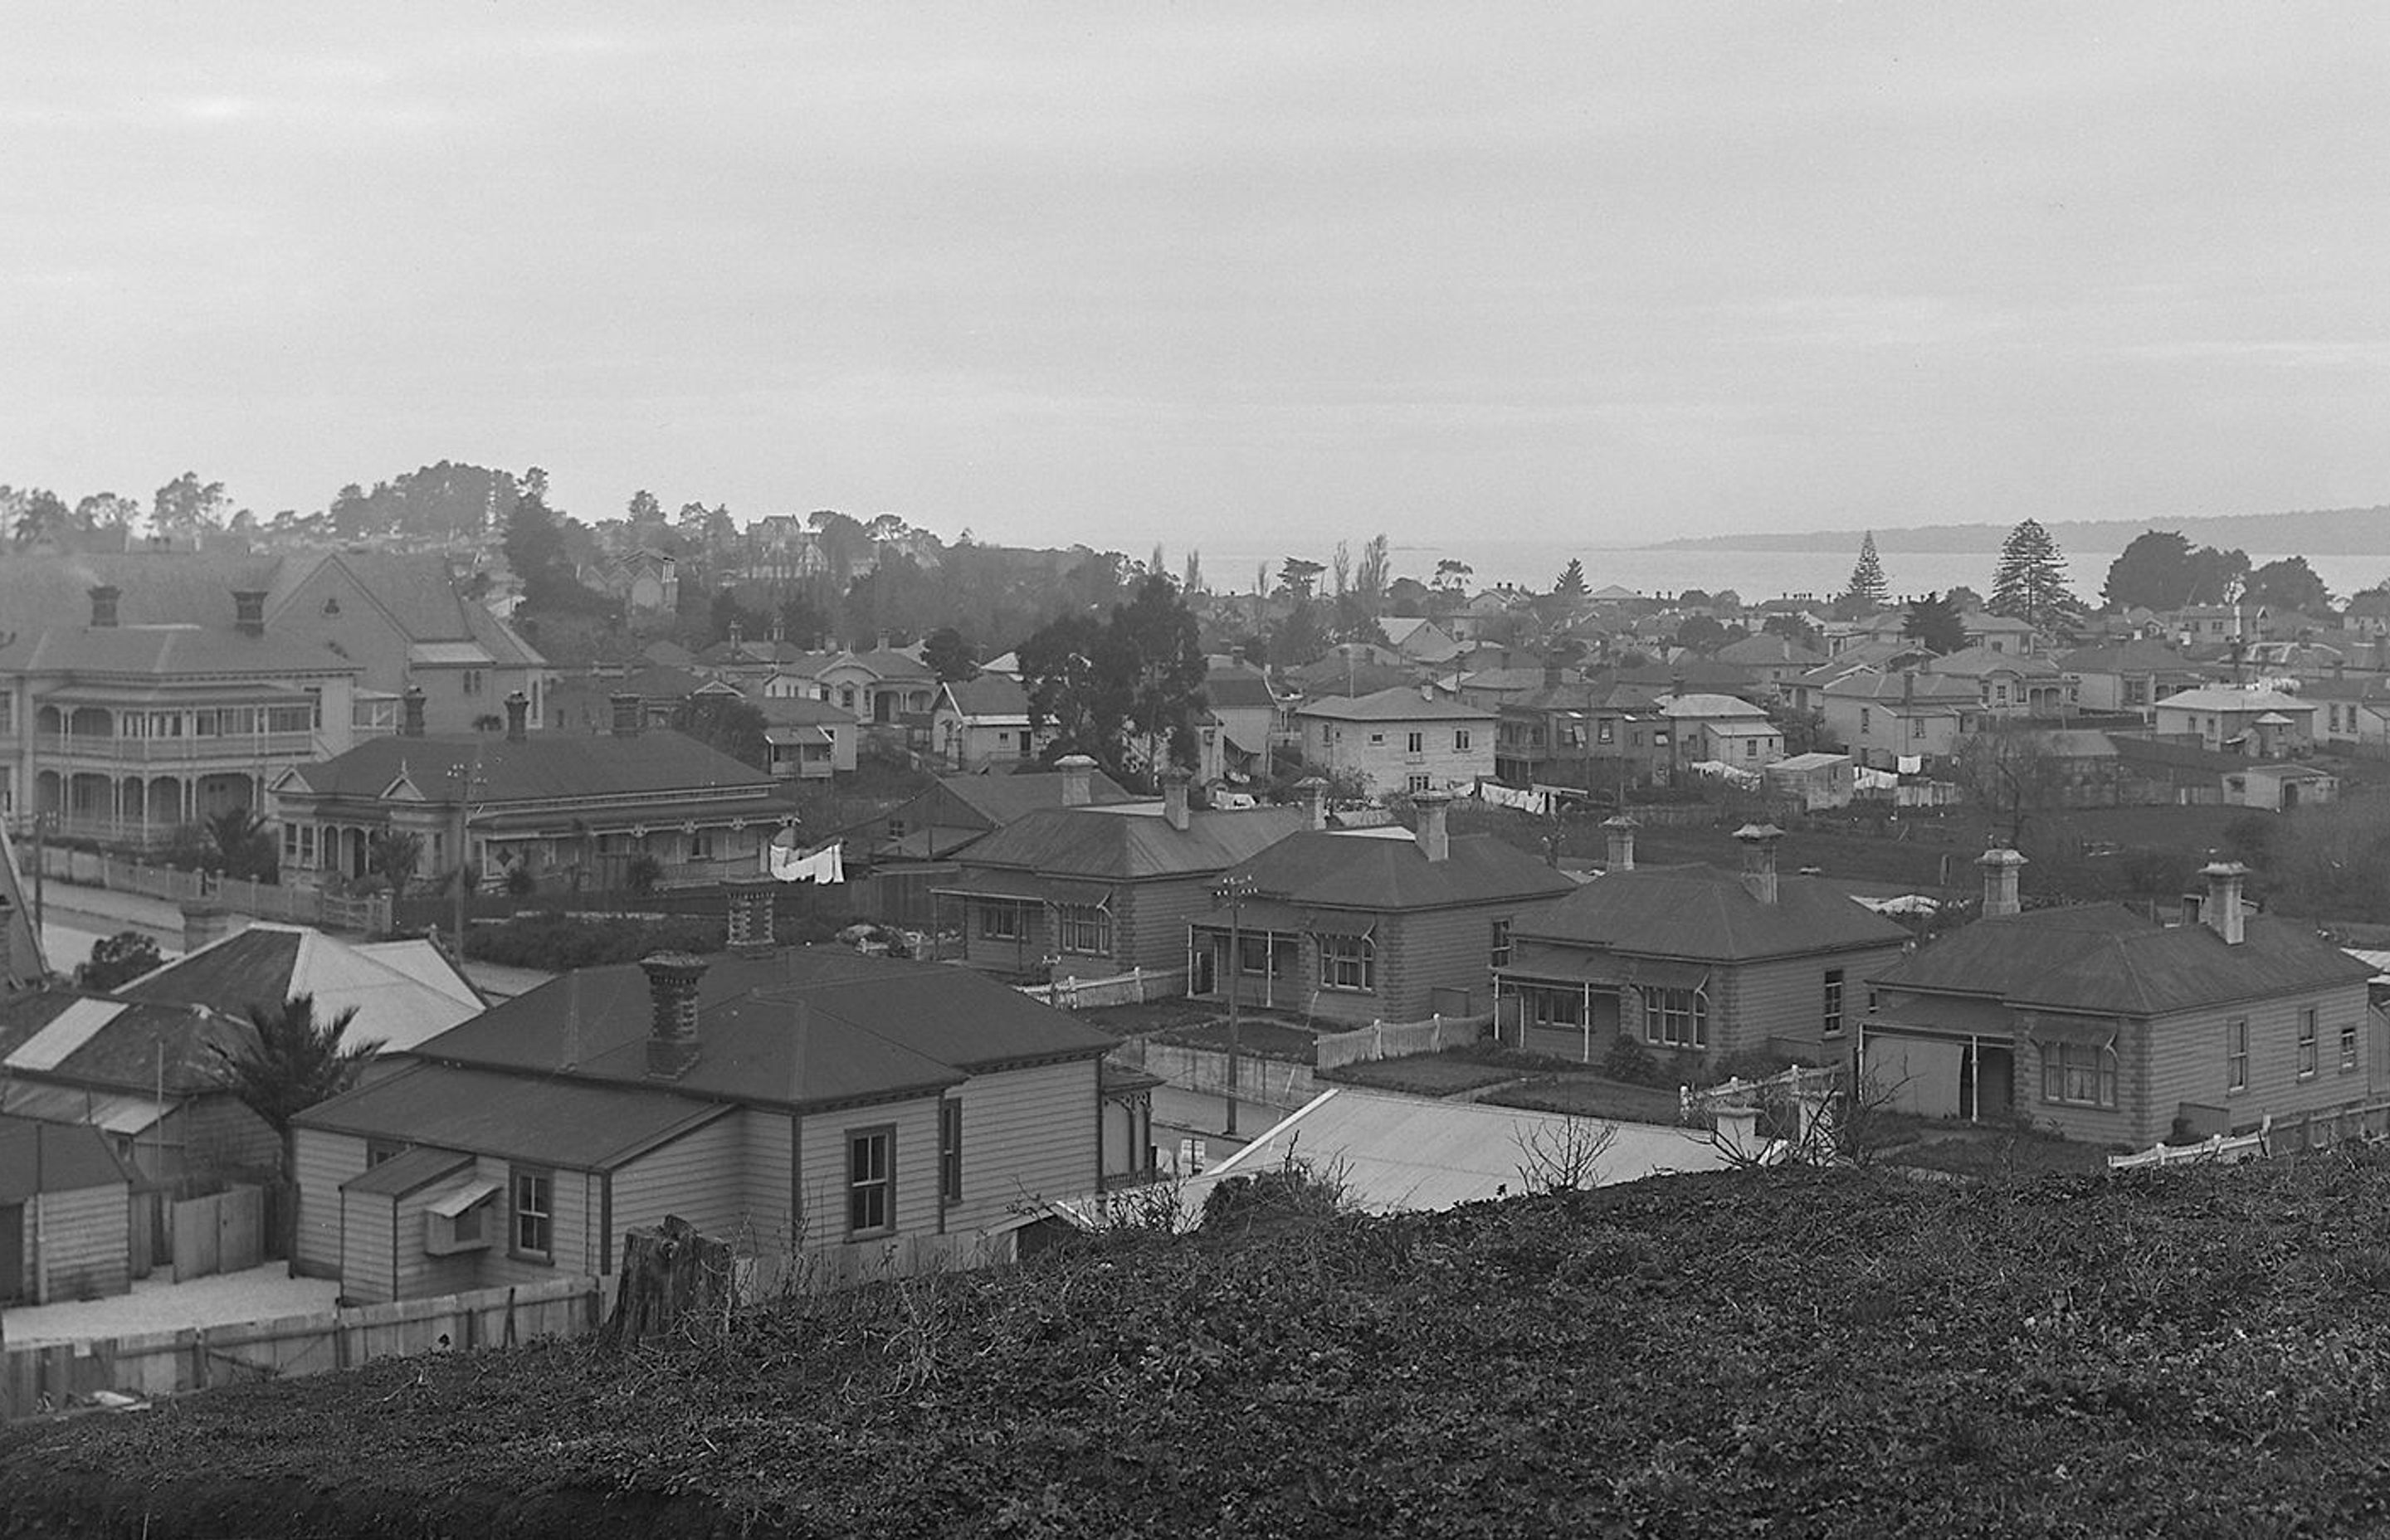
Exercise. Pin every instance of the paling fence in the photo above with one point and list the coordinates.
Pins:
(1401, 1039)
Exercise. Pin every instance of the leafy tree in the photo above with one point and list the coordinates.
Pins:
(1192, 582)
(2012, 773)
(1701, 633)
(288, 1062)
(1867, 587)
(538, 546)
(1570, 582)
(41, 516)
(1452, 576)
(1370, 578)
(2162, 571)
(2288, 584)
(1793, 628)
(117, 960)
(1157, 649)
(185, 504)
(730, 722)
(1964, 599)
(644, 508)
(1298, 577)
(1058, 669)
(106, 511)
(952, 659)
(1127, 692)
(1300, 635)
(1933, 622)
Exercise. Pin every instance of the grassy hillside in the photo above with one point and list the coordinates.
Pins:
(1782, 1353)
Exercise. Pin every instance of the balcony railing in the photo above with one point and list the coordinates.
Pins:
(245, 750)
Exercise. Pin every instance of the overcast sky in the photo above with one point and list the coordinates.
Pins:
(1204, 272)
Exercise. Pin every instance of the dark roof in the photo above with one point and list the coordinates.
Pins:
(806, 1026)
(417, 590)
(1708, 913)
(2104, 960)
(1398, 704)
(2137, 656)
(409, 1171)
(990, 695)
(1355, 871)
(2176, 756)
(1106, 845)
(253, 966)
(543, 766)
(37, 1157)
(1000, 799)
(129, 1045)
(167, 649)
(1237, 686)
(793, 711)
(1768, 648)
(547, 1118)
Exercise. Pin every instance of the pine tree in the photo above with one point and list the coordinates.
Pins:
(2030, 583)
(1867, 584)
(1571, 584)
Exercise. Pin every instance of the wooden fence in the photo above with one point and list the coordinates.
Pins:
(2273, 1138)
(223, 1232)
(1400, 1039)
(368, 913)
(34, 1379)
(1134, 987)
(2218, 1148)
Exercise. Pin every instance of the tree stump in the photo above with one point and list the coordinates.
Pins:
(671, 1275)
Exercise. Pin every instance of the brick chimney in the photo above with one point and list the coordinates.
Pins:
(410, 711)
(204, 924)
(103, 608)
(1314, 802)
(1078, 772)
(2000, 868)
(1758, 842)
(518, 717)
(1553, 674)
(738, 635)
(2221, 910)
(248, 611)
(672, 986)
(1620, 831)
(630, 714)
(1174, 798)
(751, 914)
(1434, 834)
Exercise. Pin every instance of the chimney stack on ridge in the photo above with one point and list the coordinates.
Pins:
(1435, 833)
(672, 1037)
(1759, 842)
(2000, 870)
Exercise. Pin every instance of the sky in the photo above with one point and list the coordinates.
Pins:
(1211, 273)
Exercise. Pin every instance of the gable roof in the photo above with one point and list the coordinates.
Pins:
(92, 1040)
(2136, 656)
(1769, 649)
(2106, 961)
(403, 992)
(2226, 698)
(165, 649)
(1395, 704)
(1001, 799)
(1385, 869)
(988, 694)
(38, 1157)
(1976, 661)
(1236, 686)
(1707, 914)
(1130, 842)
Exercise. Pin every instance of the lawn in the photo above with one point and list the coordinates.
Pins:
(1587, 1095)
(1782, 1353)
(1440, 1075)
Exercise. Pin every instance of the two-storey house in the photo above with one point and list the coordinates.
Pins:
(2131, 676)
(2007, 684)
(1399, 739)
(1909, 718)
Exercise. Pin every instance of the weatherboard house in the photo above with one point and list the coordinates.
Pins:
(2110, 1028)
(809, 1104)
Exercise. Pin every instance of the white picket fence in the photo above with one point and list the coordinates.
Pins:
(1134, 987)
(2217, 1148)
(1400, 1039)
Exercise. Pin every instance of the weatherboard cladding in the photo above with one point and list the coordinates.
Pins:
(84, 1245)
(686, 1177)
(1009, 1151)
(321, 1160)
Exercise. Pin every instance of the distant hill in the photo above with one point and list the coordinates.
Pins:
(2324, 531)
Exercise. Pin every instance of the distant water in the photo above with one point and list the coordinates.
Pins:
(1754, 575)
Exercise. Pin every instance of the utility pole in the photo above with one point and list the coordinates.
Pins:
(464, 775)
(1231, 892)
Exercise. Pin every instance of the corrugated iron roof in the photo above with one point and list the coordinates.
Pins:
(1106, 845)
(543, 766)
(37, 1157)
(1709, 914)
(1353, 870)
(553, 1121)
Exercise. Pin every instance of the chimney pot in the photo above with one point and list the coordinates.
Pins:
(103, 608)
(630, 714)
(2222, 911)
(1434, 827)
(1620, 831)
(518, 717)
(204, 924)
(1759, 859)
(248, 611)
(751, 914)
(2001, 866)
(1078, 774)
(410, 711)
(1314, 802)
(671, 987)
(1174, 798)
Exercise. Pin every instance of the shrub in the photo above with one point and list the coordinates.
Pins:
(555, 942)
(643, 873)
(1631, 1062)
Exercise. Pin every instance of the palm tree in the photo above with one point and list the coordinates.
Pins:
(288, 1063)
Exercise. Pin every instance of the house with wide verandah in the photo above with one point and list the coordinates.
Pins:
(2110, 1028)
(1692, 960)
(1369, 924)
(559, 807)
(828, 1114)
(1097, 890)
